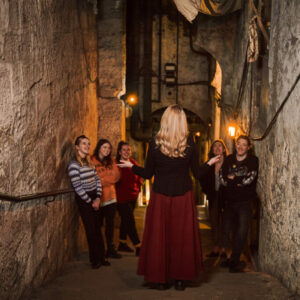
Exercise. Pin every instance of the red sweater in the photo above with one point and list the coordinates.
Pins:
(129, 185)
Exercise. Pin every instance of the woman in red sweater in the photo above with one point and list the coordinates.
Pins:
(128, 189)
(108, 174)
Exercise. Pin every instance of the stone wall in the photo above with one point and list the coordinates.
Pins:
(48, 74)
(37, 238)
(279, 251)
(278, 186)
(112, 121)
(47, 97)
(191, 67)
(112, 66)
(217, 35)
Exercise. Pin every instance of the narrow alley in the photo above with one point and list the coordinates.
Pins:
(204, 94)
(120, 281)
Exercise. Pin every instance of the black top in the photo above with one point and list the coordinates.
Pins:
(171, 175)
(243, 186)
(208, 185)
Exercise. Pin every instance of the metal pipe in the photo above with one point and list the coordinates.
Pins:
(159, 50)
(177, 52)
(147, 64)
(23, 198)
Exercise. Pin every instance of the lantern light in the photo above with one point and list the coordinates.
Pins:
(132, 99)
(231, 130)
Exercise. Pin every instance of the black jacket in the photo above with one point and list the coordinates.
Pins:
(171, 175)
(243, 186)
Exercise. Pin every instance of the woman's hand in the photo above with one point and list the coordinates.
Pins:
(96, 204)
(125, 164)
(214, 160)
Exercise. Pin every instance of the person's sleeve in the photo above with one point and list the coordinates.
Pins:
(99, 186)
(199, 171)
(74, 174)
(148, 171)
(138, 180)
(224, 173)
(253, 172)
(205, 184)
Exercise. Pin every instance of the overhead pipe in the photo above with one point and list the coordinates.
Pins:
(141, 119)
(147, 66)
(159, 49)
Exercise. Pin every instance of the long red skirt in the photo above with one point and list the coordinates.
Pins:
(171, 244)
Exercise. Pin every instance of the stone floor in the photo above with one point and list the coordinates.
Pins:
(119, 281)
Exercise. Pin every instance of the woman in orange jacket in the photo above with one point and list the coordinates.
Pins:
(108, 174)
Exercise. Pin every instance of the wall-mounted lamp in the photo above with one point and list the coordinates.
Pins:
(232, 130)
(132, 99)
(197, 134)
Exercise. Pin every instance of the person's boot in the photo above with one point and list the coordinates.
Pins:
(179, 285)
(123, 247)
(105, 262)
(112, 253)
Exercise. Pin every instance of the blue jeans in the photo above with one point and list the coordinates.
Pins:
(237, 221)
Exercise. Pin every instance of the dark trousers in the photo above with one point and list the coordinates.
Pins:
(216, 216)
(237, 221)
(91, 223)
(108, 213)
(127, 226)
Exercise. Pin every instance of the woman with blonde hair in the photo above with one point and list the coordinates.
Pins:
(171, 246)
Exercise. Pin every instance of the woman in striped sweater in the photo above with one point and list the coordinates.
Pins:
(88, 190)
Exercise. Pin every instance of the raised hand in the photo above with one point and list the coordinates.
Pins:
(214, 160)
(125, 164)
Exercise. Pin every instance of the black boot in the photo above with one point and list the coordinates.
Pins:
(105, 262)
(179, 285)
(123, 247)
(112, 253)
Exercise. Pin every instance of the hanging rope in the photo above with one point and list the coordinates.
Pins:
(253, 51)
(273, 121)
(260, 23)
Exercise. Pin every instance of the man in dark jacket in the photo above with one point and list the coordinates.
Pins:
(239, 176)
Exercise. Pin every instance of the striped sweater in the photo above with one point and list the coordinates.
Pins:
(84, 179)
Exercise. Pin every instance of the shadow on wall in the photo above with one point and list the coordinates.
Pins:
(66, 154)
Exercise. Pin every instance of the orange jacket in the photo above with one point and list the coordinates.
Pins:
(108, 178)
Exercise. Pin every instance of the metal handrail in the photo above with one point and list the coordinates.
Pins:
(23, 198)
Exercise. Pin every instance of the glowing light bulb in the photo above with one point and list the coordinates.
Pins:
(132, 99)
(231, 131)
